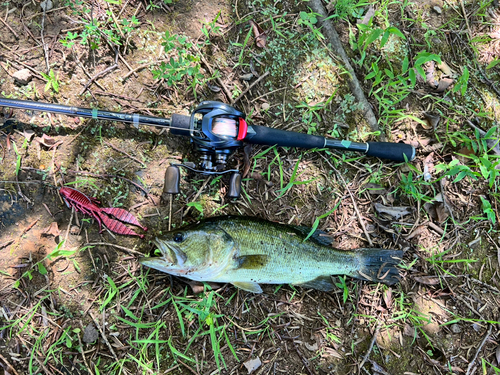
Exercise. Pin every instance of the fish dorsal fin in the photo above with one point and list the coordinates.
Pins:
(323, 283)
(319, 236)
(248, 286)
(251, 262)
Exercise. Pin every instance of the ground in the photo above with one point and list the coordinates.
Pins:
(77, 301)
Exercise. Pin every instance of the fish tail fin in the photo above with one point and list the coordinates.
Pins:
(378, 265)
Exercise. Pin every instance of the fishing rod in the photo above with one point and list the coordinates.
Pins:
(216, 130)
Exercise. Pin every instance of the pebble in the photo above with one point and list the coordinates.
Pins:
(437, 9)
(455, 328)
(46, 5)
(265, 106)
(22, 77)
(90, 334)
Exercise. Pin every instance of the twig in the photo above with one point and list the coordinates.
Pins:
(123, 152)
(83, 351)
(104, 72)
(466, 19)
(45, 52)
(469, 368)
(249, 87)
(103, 335)
(5, 244)
(10, 28)
(126, 249)
(370, 348)
(9, 366)
(198, 194)
(354, 84)
(360, 219)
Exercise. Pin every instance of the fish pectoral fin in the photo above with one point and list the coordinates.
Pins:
(251, 262)
(248, 286)
(323, 283)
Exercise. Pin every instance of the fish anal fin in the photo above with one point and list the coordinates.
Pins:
(323, 283)
(251, 262)
(248, 286)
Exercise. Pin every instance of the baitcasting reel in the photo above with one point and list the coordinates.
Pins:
(216, 131)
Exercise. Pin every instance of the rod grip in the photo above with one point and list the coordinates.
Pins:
(178, 123)
(391, 151)
(269, 136)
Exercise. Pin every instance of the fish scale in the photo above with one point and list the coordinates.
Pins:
(247, 251)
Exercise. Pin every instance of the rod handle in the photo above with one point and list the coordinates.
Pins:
(391, 151)
(262, 135)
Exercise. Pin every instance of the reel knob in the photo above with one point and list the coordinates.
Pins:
(234, 185)
(172, 180)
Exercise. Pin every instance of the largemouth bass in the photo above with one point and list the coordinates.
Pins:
(246, 252)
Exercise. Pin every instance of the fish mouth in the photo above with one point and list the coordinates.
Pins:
(171, 259)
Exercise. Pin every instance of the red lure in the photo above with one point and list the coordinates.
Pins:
(88, 205)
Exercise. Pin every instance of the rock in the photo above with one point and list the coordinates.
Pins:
(46, 5)
(265, 106)
(90, 334)
(22, 77)
(437, 9)
(455, 328)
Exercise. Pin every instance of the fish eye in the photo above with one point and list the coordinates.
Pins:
(178, 237)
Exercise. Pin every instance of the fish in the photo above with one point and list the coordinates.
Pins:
(248, 251)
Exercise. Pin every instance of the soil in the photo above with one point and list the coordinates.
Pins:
(445, 308)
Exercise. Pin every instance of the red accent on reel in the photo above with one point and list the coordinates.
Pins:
(242, 130)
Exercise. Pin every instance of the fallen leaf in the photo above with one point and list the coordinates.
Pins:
(432, 120)
(368, 16)
(252, 364)
(427, 280)
(329, 352)
(395, 212)
(444, 83)
(388, 298)
(311, 348)
(28, 134)
(52, 230)
(430, 69)
(497, 354)
(437, 211)
(443, 66)
(260, 35)
(47, 141)
(428, 167)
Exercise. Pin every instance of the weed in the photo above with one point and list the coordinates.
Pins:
(181, 65)
(52, 81)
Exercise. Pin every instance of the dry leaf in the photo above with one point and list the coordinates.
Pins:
(427, 280)
(432, 120)
(443, 85)
(368, 16)
(430, 69)
(388, 298)
(443, 66)
(497, 354)
(252, 364)
(260, 35)
(28, 134)
(428, 167)
(47, 141)
(395, 212)
(311, 348)
(329, 352)
(52, 230)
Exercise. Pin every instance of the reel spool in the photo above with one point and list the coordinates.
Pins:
(216, 130)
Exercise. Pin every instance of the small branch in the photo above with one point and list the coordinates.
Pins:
(469, 368)
(354, 84)
(124, 153)
(103, 336)
(370, 348)
(44, 45)
(249, 87)
(10, 28)
(126, 249)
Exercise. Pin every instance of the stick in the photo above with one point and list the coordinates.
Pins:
(103, 335)
(354, 84)
(370, 348)
(9, 366)
(123, 152)
(45, 51)
(469, 368)
(249, 87)
(126, 249)
(10, 28)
